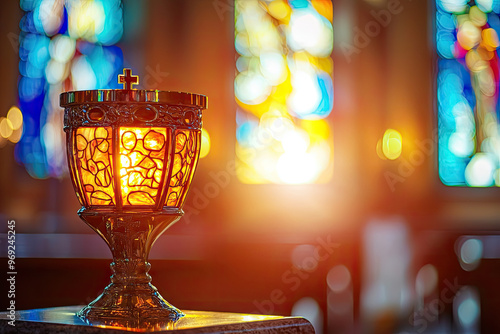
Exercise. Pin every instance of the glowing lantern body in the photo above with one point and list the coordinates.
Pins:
(132, 156)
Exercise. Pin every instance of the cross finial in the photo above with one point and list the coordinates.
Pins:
(127, 79)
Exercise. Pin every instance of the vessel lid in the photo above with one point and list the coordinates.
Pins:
(128, 95)
(135, 95)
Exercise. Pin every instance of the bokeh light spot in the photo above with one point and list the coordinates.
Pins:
(468, 311)
(338, 278)
(205, 143)
(392, 144)
(426, 280)
(471, 251)
(15, 116)
(6, 127)
(480, 170)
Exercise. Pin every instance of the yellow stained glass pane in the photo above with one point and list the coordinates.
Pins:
(93, 162)
(142, 156)
(284, 91)
(187, 145)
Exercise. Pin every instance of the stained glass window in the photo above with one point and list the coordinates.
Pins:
(467, 92)
(284, 90)
(63, 45)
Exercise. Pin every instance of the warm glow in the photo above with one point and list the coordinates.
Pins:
(142, 154)
(186, 147)
(93, 155)
(205, 143)
(392, 144)
(15, 116)
(6, 128)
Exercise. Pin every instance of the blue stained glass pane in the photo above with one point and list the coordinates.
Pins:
(63, 29)
(46, 63)
(445, 42)
(299, 3)
(445, 21)
(496, 6)
(467, 93)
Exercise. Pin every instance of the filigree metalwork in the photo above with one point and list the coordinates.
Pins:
(98, 114)
(155, 165)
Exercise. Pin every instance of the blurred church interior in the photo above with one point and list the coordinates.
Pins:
(350, 161)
